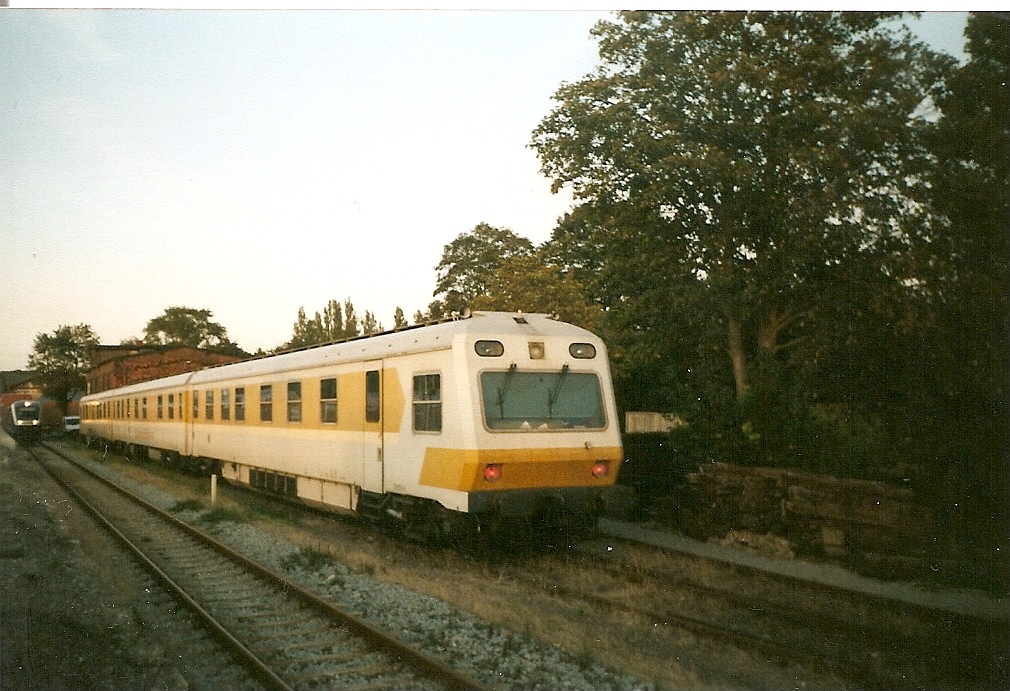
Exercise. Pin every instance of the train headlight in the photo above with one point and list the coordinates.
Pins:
(492, 471)
(489, 348)
(582, 351)
(601, 468)
(536, 350)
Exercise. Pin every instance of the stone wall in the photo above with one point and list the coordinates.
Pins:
(879, 527)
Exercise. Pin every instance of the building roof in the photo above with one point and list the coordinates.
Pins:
(12, 379)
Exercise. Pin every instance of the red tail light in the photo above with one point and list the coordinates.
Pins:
(601, 468)
(492, 471)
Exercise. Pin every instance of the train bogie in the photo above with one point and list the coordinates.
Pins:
(481, 421)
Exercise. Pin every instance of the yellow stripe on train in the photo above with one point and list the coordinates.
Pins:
(463, 469)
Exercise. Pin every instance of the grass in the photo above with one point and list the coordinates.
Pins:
(220, 515)
(309, 558)
(187, 505)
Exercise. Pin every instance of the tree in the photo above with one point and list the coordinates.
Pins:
(965, 352)
(186, 327)
(972, 141)
(399, 321)
(759, 176)
(61, 359)
(336, 323)
(307, 332)
(351, 326)
(469, 263)
(369, 324)
(436, 310)
(527, 283)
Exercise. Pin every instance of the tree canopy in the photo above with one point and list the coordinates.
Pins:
(336, 323)
(965, 362)
(61, 359)
(796, 225)
(469, 264)
(186, 326)
(750, 166)
(754, 194)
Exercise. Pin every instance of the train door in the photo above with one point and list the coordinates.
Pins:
(371, 432)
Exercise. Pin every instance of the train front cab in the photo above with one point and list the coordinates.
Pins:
(545, 443)
(26, 421)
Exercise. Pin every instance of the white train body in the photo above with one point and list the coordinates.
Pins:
(494, 416)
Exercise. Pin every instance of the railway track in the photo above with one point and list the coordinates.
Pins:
(797, 628)
(874, 642)
(284, 636)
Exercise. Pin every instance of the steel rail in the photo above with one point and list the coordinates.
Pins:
(437, 669)
(261, 669)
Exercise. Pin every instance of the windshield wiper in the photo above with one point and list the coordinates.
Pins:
(552, 395)
(503, 389)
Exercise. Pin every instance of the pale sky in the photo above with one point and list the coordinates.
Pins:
(254, 162)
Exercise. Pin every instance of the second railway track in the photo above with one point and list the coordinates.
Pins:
(287, 637)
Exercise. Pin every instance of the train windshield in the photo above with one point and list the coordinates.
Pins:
(541, 401)
(27, 413)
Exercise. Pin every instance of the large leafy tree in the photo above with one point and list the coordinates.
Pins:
(964, 357)
(755, 187)
(527, 283)
(187, 327)
(469, 264)
(494, 269)
(972, 144)
(61, 359)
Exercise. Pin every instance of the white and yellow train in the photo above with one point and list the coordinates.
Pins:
(470, 423)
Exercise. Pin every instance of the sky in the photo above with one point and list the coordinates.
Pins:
(252, 163)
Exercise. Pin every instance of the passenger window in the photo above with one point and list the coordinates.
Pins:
(239, 403)
(209, 408)
(160, 407)
(171, 406)
(225, 404)
(328, 400)
(266, 403)
(428, 403)
(294, 401)
(372, 400)
(196, 404)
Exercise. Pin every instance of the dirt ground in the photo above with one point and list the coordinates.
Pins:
(67, 613)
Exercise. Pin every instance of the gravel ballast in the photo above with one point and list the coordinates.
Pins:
(495, 657)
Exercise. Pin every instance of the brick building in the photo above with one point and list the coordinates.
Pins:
(17, 385)
(114, 366)
(20, 384)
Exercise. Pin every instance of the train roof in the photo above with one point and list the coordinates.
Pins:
(412, 339)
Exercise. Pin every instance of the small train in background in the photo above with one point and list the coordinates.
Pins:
(24, 422)
(483, 422)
